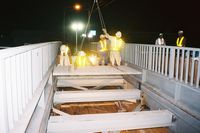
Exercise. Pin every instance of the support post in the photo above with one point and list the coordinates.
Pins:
(171, 63)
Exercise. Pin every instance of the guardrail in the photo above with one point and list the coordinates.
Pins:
(22, 70)
(181, 64)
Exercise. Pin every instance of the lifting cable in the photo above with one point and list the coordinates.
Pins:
(103, 26)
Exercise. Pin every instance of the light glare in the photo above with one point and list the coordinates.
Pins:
(77, 7)
(77, 26)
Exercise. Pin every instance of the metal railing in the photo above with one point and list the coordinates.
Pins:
(22, 70)
(181, 64)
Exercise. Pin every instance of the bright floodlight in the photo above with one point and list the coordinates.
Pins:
(77, 26)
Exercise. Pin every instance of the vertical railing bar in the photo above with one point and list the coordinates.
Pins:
(14, 89)
(156, 66)
(29, 66)
(163, 60)
(127, 54)
(133, 54)
(153, 64)
(142, 56)
(166, 62)
(198, 71)
(22, 81)
(146, 53)
(19, 84)
(3, 99)
(182, 64)
(177, 64)
(139, 56)
(187, 66)
(130, 54)
(127, 50)
(192, 68)
(9, 93)
(25, 77)
(159, 63)
(172, 62)
(136, 57)
(150, 58)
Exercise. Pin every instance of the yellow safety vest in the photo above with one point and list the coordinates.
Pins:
(103, 45)
(81, 59)
(179, 42)
(117, 44)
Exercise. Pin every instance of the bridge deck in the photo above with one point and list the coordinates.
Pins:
(94, 70)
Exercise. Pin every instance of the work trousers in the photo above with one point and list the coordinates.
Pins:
(64, 60)
(103, 58)
(115, 56)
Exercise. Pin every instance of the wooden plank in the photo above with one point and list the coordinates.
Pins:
(60, 112)
(94, 70)
(95, 95)
(109, 121)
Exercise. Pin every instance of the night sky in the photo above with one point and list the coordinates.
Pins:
(140, 21)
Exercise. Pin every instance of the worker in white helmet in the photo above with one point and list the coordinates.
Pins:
(181, 40)
(64, 58)
(102, 49)
(116, 44)
(160, 40)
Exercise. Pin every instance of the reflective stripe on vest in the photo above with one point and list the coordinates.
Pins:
(179, 43)
(103, 45)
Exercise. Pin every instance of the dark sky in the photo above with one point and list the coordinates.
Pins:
(139, 20)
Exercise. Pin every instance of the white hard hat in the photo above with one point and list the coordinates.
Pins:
(118, 34)
(62, 48)
(160, 34)
(180, 32)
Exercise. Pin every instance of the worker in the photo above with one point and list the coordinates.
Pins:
(103, 50)
(81, 59)
(116, 43)
(64, 58)
(160, 40)
(181, 40)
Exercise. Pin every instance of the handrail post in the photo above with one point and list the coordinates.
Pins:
(150, 58)
(4, 128)
(171, 63)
